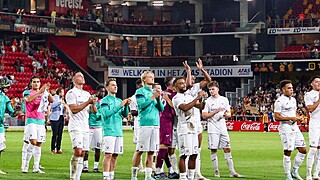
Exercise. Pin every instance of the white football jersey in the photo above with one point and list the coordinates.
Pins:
(78, 121)
(217, 123)
(287, 107)
(186, 119)
(193, 91)
(310, 98)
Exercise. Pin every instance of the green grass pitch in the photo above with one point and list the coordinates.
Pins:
(256, 155)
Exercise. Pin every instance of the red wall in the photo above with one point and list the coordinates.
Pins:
(75, 47)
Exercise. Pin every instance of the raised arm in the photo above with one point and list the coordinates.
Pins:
(207, 77)
(189, 76)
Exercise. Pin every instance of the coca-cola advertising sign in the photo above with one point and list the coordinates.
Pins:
(244, 126)
(273, 127)
(230, 125)
(257, 126)
(251, 126)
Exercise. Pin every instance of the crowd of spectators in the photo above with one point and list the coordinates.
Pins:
(262, 98)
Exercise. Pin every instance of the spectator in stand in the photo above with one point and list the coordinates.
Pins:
(22, 44)
(115, 17)
(264, 73)
(290, 67)
(271, 72)
(140, 17)
(3, 52)
(16, 65)
(53, 16)
(282, 69)
(201, 25)
(255, 46)
(188, 25)
(132, 17)
(316, 43)
(45, 63)
(269, 21)
(256, 69)
(300, 19)
(277, 21)
(2, 64)
(214, 25)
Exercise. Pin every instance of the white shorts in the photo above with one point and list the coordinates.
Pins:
(95, 138)
(112, 145)
(149, 139)
(80, 140)
(218, 141)
(2, 141)
(37, 132)
(291, 141)
(314, 137)
(188, 144)
(199, 127)
(135, 131)
(25, 135)
(174, 141)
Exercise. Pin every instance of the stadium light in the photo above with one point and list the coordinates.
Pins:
(157, 3)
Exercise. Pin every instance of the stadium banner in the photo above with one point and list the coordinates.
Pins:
(5, 26)
(258, 126)
(24, 28)
(161, 72)
(65, 7)
(65, 32)
(46, 30)
(254, 126)
(295, 30)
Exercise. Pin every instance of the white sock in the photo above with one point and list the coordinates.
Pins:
(317, 164)
(141, 163)
(173, 161)
(186, 163)
(310, 159)
(24, 154)
(214, 160)
(158, 170)
(111, 175)
(191, 174)
(134, 172)
(183, 175)
(229, 160)
(153, 165)
(79, 168)
(198, 161)
(37, 156)
(171, 170)
(148, 172)
(106, 176)
(85, 164)
(298, 160)
(95, 165)
(162, 170)
(73, 166)
(286, 164)
(29, 154)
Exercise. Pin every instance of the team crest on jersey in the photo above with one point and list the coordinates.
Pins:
(108, 147)
(141, 146)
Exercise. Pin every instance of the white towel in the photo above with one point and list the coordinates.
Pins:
(43, 107)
